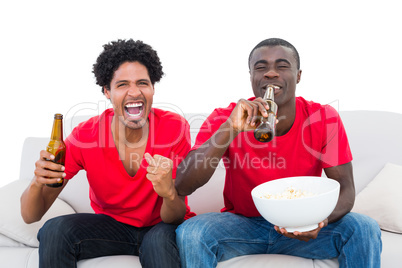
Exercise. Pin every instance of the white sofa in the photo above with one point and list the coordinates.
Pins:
(376, 143)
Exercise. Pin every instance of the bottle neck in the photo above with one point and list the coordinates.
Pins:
(269, 93)
(57, 131)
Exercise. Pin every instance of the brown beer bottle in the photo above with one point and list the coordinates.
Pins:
(265, 132)
(56, 145)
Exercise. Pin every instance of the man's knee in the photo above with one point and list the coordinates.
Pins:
(161, 234)
(158, 248)
(362, 226)
(52, 228)
(196, 229)
(365, 224)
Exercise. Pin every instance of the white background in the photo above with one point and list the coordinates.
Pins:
(350, 56)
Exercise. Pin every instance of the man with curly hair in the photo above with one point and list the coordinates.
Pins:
(130, 154)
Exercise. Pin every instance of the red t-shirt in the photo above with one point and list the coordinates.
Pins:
(316, 140)
(113, 192)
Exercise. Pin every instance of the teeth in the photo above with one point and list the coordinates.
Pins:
(137, 104)
(274, 87)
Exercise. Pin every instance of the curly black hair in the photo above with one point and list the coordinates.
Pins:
(118, 52)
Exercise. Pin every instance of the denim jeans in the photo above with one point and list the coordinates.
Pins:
(206, 239)
(67, 239)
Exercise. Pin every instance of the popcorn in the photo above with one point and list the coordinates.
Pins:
(289, 193)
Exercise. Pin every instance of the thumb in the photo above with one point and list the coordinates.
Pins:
(149, 158)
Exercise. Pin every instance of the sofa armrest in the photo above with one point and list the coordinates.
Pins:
(11, 223)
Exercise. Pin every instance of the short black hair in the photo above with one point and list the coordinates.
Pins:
(118, 52)
(271, 42)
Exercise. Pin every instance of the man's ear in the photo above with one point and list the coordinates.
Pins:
(106, 92)
(299, 73)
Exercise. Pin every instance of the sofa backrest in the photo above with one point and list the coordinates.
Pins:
(374, 139)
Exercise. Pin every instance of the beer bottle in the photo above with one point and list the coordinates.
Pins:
(56, 145)
(265, 131)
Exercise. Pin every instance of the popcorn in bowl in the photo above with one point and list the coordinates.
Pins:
(290, 193)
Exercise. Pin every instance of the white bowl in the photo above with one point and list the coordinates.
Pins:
(299, 214)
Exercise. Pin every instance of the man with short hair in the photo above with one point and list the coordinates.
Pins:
(310, 137)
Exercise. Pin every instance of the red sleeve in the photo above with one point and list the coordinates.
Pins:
(212, 124)
(74, 161)
(335, 150)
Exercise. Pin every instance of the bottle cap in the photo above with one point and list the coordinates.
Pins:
(269, 93)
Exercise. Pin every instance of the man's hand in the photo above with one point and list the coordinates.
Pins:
(47, 172)
(37, 198)
(160, 174)
(247, 113)
(303, 236)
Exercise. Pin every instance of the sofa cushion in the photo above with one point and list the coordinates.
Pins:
(266, 260)
(11, 222)
(381, 199)
(76, 193)
(391, 250)
(19, 257)
(5, 241)
(119, 261)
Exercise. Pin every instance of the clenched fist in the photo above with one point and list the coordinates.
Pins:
(160, 174)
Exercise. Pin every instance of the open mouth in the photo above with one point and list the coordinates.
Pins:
(134, 109)
(275, 88)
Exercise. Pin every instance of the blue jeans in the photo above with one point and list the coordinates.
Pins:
(206, 239)
(67, 239)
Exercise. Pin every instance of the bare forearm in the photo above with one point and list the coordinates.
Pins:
(32, 204)
(344, 175)
(173, 209)
(36, 200)
(199, 165)
(344, 205)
